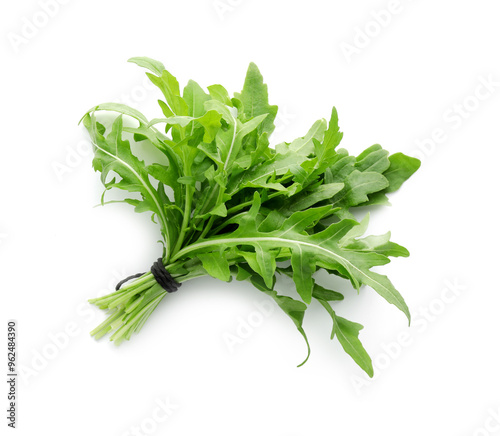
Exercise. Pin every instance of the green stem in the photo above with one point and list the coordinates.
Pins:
(208, 226)
(206, 202)
(185, 219)
(130, 307)
(139, 281)
(240, 206)
(225, 223)
(230, 214)
(187, 205)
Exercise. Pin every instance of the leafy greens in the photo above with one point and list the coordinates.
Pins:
(230, 206)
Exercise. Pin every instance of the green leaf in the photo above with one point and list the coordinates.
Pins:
(121, 109)
(357, 187)
(113, 154)
(401, 168)
(152, 65)
(320, 249)
(378, 244)
(218, 92)
(333, 136)
(303, 269)
(216, 265)
(168, 177)
(169, 86)
(255, 101)
(304, 146)
(211, 123)
(321, 293)
(347, 333)
(195, 99)
(263, 262)
(293, 308)
(219, 210)
(229, 142)
(373, 159)
(309, 198)
(229, 204)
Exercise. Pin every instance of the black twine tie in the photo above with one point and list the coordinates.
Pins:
(161, 275)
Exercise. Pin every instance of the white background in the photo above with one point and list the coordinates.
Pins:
(412, 76)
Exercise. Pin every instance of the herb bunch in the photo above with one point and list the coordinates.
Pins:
(230, 206)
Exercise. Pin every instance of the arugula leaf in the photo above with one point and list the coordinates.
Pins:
(228, 204)
(114, 154)
(347, 333)
(293, 308)
(307, 251)
(254, 100)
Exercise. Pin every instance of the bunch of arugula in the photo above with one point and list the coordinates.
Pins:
(229, 205)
